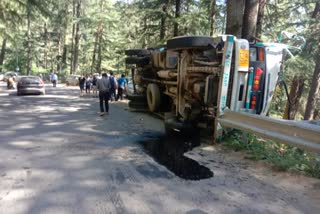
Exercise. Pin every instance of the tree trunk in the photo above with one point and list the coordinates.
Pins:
(65, 30)
(64, 55)
(235, 9)
(163, 21)
(51, 57)
(73, 36)
(212, 16)
(262, 4)
(316, 114)
(3, 52)
(294, 96)
(45, 60)
(315, 85)
(77, 39)
(250, 19)
(29, 60)
(177, 15)
(98, 68)
(316, 10)
(59, 56)
(313, 93)
(60, 48)
(94, 51)
(145, 28)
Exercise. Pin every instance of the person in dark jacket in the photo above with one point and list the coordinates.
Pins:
(113, 86)
(103, 86)
(82, 81)
(88, 84)
(94, 86)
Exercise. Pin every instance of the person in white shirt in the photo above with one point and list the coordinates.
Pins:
(54, 80)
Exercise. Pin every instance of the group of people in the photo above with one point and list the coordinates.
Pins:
(108, 86)
(88, 83)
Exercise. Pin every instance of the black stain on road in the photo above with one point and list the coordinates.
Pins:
(169, 152)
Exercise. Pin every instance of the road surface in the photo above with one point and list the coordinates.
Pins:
(59, 156)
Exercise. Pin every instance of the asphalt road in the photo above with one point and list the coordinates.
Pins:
(57, 155)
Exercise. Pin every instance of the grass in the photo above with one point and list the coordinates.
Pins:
(283, 157)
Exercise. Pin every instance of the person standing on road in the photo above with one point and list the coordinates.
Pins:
(122, 83)
(88, 84)
(113, 86)
(94, 85)
(103, 86)
(51, 77)
(82, 81)
(54, 80)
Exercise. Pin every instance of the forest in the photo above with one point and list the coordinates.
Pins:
(89, 36)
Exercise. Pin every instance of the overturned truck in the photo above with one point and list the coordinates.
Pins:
(194, 79)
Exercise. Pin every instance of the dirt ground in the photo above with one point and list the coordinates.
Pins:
(59, 156)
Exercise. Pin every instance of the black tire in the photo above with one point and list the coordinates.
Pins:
(137, 98)
(138, 60)
(137, 52)
(153, 97)
(138, 105)
(189, 42)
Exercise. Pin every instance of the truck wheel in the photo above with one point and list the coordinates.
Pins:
(137, 52)
(137, 98)
(153, 97)
(185, 42)
(137, 60)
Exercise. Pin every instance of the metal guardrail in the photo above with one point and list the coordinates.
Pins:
(302, 134)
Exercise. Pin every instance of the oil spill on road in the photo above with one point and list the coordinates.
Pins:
(169, 150)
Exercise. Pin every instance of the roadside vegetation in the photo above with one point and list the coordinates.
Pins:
(281, 156)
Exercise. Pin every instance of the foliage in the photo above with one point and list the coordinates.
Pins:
(283, 157)
(294, 17)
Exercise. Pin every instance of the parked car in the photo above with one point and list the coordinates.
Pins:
(72, 80)
(30, 85)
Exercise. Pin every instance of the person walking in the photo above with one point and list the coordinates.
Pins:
(82, 81)
(122, 84)
(113, 86)
(54, 80)
(94, 86)
(103, 86)
(88, 84)
(51, 77)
